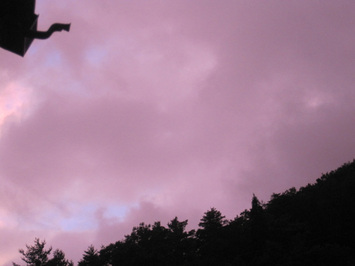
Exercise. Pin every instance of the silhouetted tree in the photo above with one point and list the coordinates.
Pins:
(181, 242)
(134, 250)
(313, 226)
(35, 255)
(211, 250)
(257, 223)
(59, 259)
(210, 223)
(90, 257)
(151, 245)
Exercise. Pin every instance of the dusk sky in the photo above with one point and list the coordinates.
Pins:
(147, 110)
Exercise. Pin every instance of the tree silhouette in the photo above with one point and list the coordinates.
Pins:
(181, 242)
(312, 226)
(35, 255)
(90, 257)
(258, 226)
(59, 259)
(211, 237)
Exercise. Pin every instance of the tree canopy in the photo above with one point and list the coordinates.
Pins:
(310, 226)
(37, 255)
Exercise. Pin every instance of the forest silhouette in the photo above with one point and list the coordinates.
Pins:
(310, 226)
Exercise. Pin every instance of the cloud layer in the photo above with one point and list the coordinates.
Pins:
(150, 110)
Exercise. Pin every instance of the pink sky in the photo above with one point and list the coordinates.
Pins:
(149, 110)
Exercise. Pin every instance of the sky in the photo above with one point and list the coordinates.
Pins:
(147, 110)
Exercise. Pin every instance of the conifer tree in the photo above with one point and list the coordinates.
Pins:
(90, 257)
(35, 255)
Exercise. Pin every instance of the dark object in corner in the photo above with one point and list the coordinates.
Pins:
(18, 25)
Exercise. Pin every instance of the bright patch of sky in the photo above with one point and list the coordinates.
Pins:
(82, 219)
(95, 55)
(54, 59)
(78, 217)
(116, 211)
(13, 101)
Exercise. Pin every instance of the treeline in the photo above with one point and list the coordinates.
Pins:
(314, 225)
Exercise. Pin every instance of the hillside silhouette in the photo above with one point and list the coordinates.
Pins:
(314, 225)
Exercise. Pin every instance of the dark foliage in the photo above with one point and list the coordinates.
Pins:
(37, 255)
(90, 258)
(310, 226)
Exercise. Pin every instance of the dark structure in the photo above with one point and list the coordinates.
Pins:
(18, 25)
